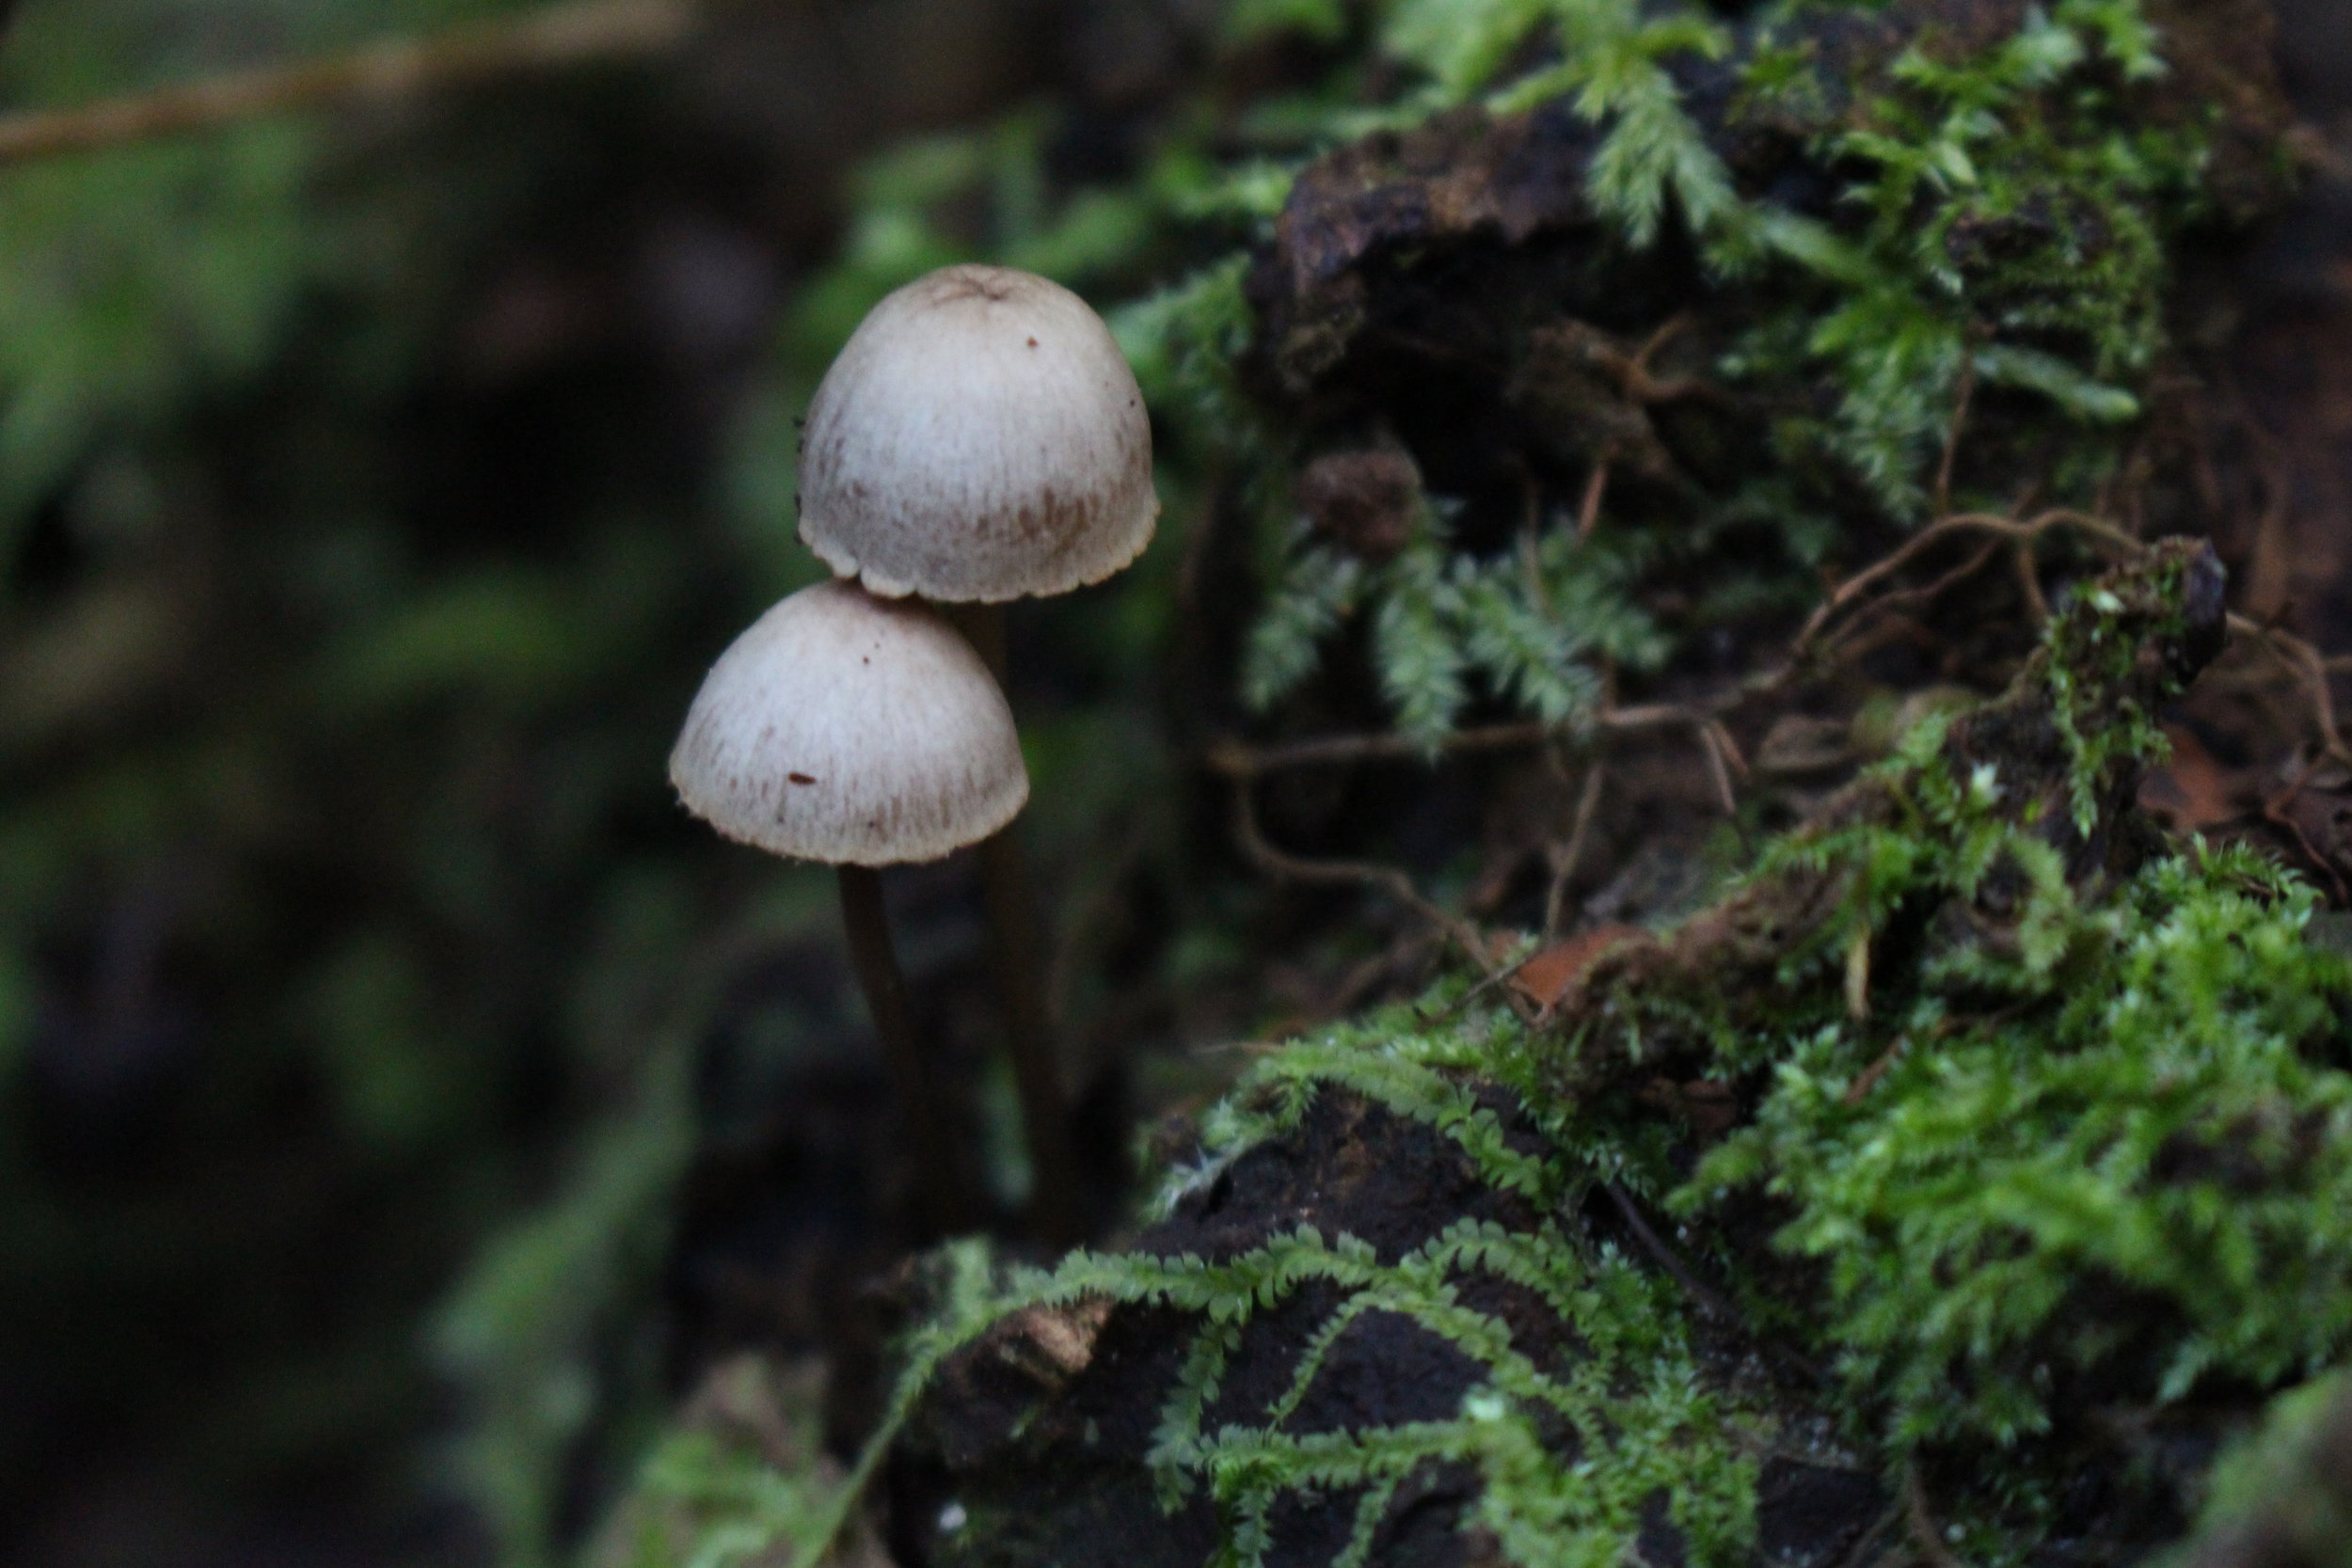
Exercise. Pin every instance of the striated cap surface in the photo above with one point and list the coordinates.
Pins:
(980, 438)
(850, 729)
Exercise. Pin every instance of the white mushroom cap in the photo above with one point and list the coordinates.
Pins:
(980, 438)
(850, 729)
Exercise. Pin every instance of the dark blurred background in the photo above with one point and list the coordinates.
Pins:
(399, 1097)
(401, 1100)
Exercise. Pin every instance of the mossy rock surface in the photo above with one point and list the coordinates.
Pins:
(1749, 1247)
(1965, 1174)
(1037, 1439)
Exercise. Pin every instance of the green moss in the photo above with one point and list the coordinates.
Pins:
(1571, 1462)
(2031, 1113)
(1997, 218)
(1639, 1420)
(1996, 214)
(2168, 1133)
(1395, 1058)
(2102, 1144)
(2014, 218)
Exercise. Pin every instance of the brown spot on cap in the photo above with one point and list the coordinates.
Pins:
(781, 752)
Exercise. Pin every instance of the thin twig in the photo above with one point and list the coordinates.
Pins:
(1859, 1090)
(2029, 584)
(2302, 661)
(1531, 539)
(1705, 1297)
(1951, 438)
(1563, 864)
(1862, 582)
(1713, 742)
(1865, 1548)
(1236, 759)
(1588, 511)
(1245, 764)
(555, 39)
(1673, 326)
(1843, 643)
(1697, 1289)
(1633, 373)
(1363, 875)
(1923, 1532)
(1403, 956)
(2278, 813)
(1503, 976)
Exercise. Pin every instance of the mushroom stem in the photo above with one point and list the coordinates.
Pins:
(1013, 953)
(943, 1201)
(1044, 1115)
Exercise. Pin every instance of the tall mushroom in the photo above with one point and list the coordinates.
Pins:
(981, 438)
(860, 732)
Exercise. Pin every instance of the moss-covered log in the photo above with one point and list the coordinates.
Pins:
(1966, 1172)
(1417, 1297)
(1383, 1334)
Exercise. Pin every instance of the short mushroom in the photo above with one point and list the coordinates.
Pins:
(981, 438)
(859, 732)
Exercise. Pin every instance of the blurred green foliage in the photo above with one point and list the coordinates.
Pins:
(364, 537)
(339, 886)
(136, 283)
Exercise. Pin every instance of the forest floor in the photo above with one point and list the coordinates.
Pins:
(1676, 866)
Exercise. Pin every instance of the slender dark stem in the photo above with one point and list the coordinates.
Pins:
(1565, 857)
(946, 1199)
(1924, 1534)
(1020, 980)
(1707, 1300)
(1015, 954)
(1692, 1286)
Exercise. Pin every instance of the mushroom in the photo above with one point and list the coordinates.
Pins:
(859, 732)
(981, 438)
